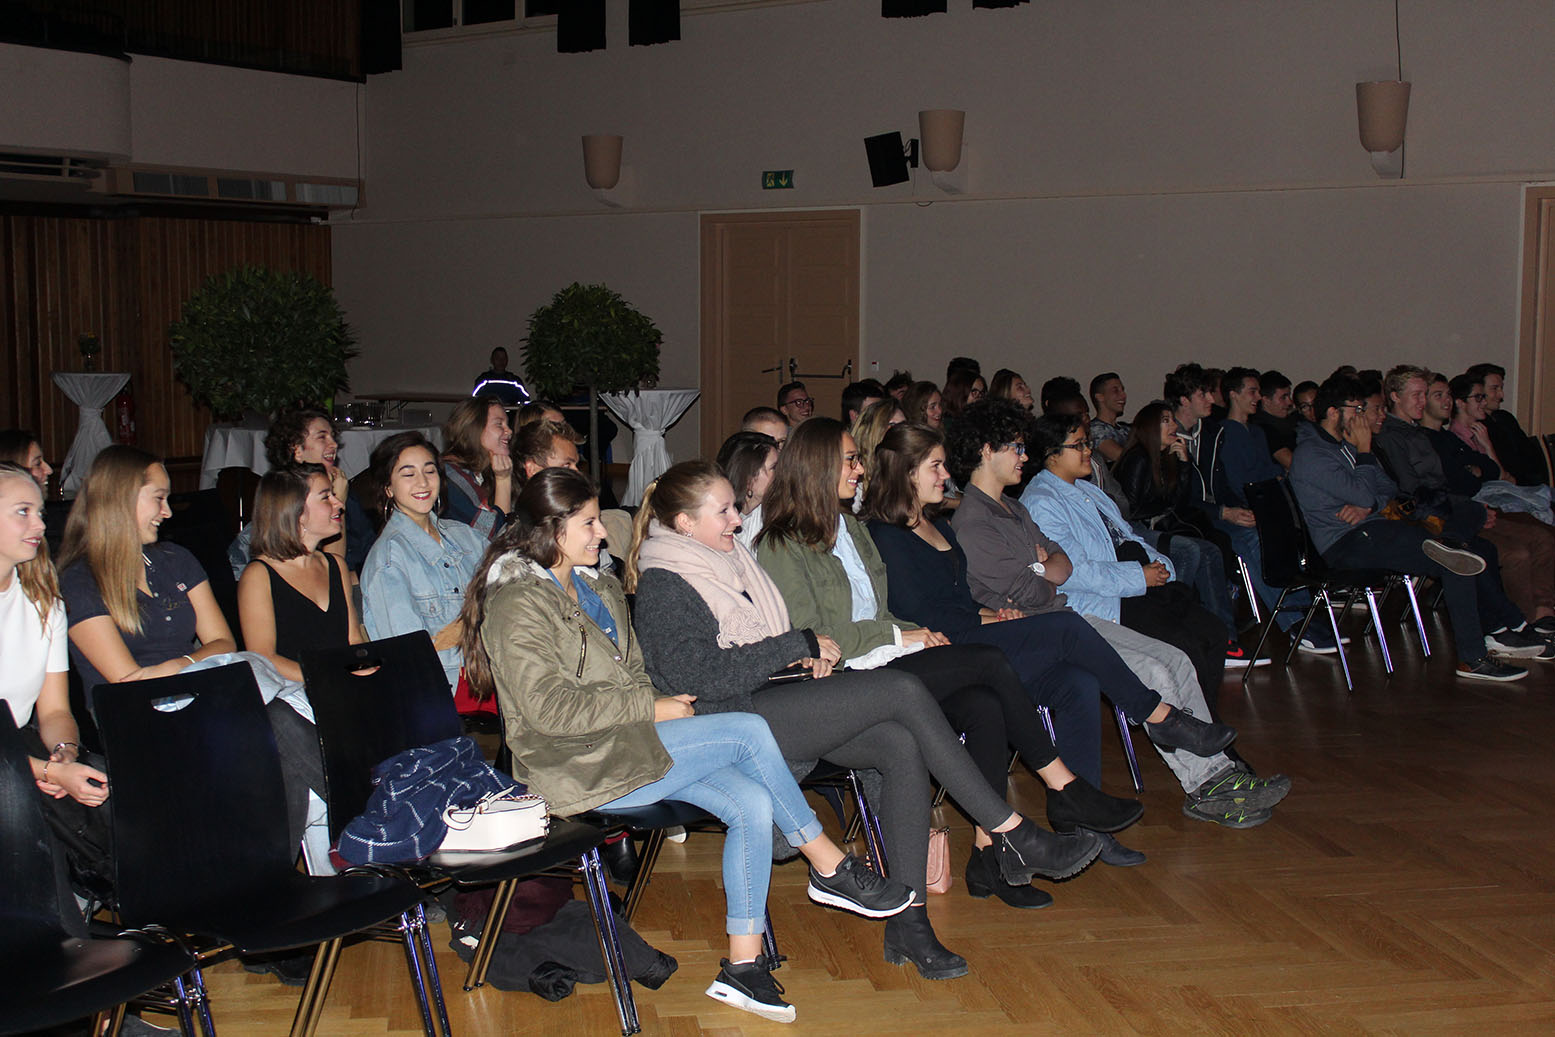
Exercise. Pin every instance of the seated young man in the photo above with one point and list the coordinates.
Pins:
(1012, 564)
(1525, 546)
(769, 421)
(1244, 458)
(1109, 432)
(1342, 491)
(1277, 416)
(1521, 455)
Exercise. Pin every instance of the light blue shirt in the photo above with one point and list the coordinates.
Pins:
(864, 604)
(1068, 513)
(412, 582)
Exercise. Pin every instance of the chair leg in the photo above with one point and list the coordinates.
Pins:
(486, 946)
(1414, 606)
(408, 925)
(648, 856)
(1258, 648)
(1128, 750)
(1344, 662)
(609, 940)
(1247, 584)
(311, 1006)
(1047, 725)
(870, 823)
(769, 945)
(106, 1023)
(184, 1003)
(1382, 637)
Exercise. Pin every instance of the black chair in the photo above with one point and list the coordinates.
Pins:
(51, 976)
(1291, 562)
(365, 718)
(201, 843)
(199, 524)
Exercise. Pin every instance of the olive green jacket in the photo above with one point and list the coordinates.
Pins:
(816, 589)
(577, 709)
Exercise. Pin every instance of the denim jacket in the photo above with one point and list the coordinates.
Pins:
(411, 582)
(1069, 514)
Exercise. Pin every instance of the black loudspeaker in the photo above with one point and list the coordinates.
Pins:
(380, 37)
(887, 161)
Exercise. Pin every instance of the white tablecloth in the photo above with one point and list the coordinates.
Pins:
(649, 412)
(238, 446)
(91, 391)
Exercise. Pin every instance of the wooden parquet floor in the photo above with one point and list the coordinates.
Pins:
(1407, 886)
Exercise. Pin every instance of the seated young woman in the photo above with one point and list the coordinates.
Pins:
(1163, 512)
(294, 597)
(307, 436)
(33, 681)
(1063, 663)
(551, 636)
(711, 621)
(747, 460)
(415, 575)
(833, 582)
(477, 465)
(140, 608)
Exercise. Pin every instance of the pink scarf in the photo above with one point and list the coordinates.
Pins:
(742, 597)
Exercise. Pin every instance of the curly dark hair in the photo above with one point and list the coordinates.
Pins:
(1048, 434)
(988, 421)
(288, 432)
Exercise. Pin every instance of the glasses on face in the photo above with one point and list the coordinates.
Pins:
(1481, 397)
(1083, 447)
(851, 461)
(801, 401)
(1019, 448)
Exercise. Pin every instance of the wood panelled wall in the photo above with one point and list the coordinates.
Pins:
(320, 37)
(125, 279)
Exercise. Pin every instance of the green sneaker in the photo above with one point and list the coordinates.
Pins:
(1226, 812)
(1250, 790)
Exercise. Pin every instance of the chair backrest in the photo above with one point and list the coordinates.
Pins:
(30, 907)
(1286, 551)
(199, 809)
(199, 524)
(365, 718)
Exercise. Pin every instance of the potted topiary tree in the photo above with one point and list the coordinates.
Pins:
(261, 340)
(588, 335)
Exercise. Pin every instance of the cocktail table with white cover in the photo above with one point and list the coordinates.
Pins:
(649, 412)
(243, 446)
(91, 391)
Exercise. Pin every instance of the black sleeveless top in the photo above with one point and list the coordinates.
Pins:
(300, 625)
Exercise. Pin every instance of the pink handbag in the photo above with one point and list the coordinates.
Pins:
(939, 861)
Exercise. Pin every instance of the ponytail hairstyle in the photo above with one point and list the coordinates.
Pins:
(101, 530)
(892, 496)
(40, 584)
(681, 490)
(533, 533)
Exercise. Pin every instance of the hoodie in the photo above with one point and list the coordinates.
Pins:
(1326, 474)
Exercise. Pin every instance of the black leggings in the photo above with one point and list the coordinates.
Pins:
(890, 722)
(983, 698)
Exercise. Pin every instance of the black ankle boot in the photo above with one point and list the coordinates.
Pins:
(1080, 804)
(1183, 730)
(910, 937)
(1026, 850)
(983, 880)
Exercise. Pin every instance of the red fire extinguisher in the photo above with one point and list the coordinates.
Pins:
(124, 416)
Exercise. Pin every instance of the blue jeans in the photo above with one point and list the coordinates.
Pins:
(728, 764)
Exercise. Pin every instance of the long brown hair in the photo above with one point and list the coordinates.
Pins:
(679, 491)
(915, 401)
(40, 584)
(1145, 437)
(462, 433)
(892, 496)
(101, 530)
(802, 503)
(533, 532)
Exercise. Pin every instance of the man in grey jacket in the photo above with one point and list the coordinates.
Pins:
(1342, 491)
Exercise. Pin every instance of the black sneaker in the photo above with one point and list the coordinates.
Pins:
(1247, 789)
(1182, 730)
(1453, 557)
(855, 887)
(1227, 813)
(1487, 669)
(751, 988)
(1517, 644)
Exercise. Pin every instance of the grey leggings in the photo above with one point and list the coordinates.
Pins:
(889, 721)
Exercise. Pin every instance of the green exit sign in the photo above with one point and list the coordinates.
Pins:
(777, 180)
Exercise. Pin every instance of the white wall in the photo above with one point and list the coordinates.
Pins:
(177, 113)
(1147, 183)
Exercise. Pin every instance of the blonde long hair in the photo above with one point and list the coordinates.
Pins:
(101, 531)
(40, 584)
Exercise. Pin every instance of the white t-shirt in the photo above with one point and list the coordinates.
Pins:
(28, 649)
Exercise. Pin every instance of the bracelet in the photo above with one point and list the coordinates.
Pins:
(190, 658)
(60, 746)
(45, 777)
